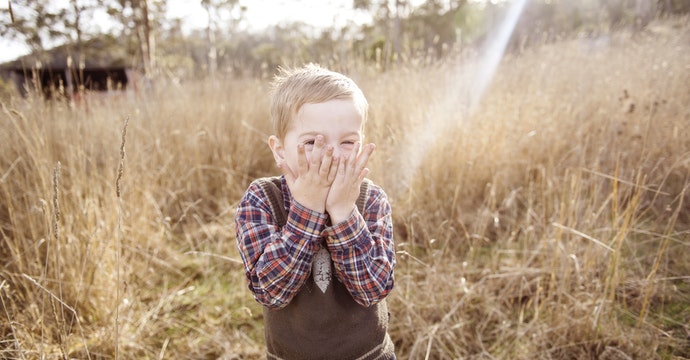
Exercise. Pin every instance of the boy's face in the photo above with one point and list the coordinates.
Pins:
(338, 121)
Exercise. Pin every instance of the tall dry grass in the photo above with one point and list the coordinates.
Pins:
(551, 222)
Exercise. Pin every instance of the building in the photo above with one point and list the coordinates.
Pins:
(64, 73)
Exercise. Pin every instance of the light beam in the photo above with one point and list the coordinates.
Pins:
(464, 94)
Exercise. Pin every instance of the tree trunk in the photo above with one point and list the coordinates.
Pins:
(213, 50)
(397, 30)
(144, 36)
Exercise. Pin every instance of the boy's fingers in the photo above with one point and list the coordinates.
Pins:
(325, 168)
(342, 165)
(333, 170)
(302, 159)
(317, 152)
(351, 160)
(363, 174)
(355, 152)
(369, 149)
(363, 158)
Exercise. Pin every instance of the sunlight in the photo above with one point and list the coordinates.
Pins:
(468, 86)
(494, 52)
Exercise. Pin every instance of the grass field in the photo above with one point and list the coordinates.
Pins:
(551, 222)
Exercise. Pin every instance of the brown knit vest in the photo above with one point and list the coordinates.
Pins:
(330, 325)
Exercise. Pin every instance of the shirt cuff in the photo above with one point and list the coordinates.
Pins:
(345, 234)
(305, 222)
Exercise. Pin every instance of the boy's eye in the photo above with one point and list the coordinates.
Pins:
(309, 142)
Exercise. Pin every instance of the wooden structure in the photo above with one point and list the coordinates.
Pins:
(64, 73)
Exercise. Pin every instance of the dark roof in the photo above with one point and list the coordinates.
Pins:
(94, 54)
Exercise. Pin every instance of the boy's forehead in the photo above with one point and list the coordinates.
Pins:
(302, 125)
(315, 125)
(337, 110)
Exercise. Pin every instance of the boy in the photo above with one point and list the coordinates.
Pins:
(321, 261)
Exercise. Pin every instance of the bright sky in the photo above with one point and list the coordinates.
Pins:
(259, 14)
(263, 13)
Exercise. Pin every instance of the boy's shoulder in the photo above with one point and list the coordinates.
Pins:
(264, 186)
(265, 194)
(263, 182)
(276, 179)
(272, 188)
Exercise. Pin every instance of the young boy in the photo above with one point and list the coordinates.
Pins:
(321, 261)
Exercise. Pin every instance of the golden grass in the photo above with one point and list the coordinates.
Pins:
(552, 222)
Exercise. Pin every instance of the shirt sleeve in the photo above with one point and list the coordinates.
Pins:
(277, 261)
(362, 250)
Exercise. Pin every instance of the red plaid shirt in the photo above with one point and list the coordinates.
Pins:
(277, 261)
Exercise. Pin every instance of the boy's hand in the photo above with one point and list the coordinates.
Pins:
(345, 188)
(310, 182)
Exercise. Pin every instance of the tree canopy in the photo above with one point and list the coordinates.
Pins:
(398, 30)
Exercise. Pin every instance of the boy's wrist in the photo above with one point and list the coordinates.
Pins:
(340, 214)
(311, 203)
(344, 234)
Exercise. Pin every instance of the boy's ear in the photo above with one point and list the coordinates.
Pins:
(277, 148)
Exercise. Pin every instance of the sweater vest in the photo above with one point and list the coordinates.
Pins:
(324, 325)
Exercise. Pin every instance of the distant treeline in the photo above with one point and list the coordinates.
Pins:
(145, 39)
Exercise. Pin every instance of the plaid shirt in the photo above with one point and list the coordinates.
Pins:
(277, 261)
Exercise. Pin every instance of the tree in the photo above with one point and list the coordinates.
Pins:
(74, 23)
(215, 10)
(434, 24)
(388, 14)
(34, 23)
(140, 19)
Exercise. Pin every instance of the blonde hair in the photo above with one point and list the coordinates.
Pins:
(310, 84)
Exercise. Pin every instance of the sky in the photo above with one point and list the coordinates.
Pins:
(259, 14)
(263, 13)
